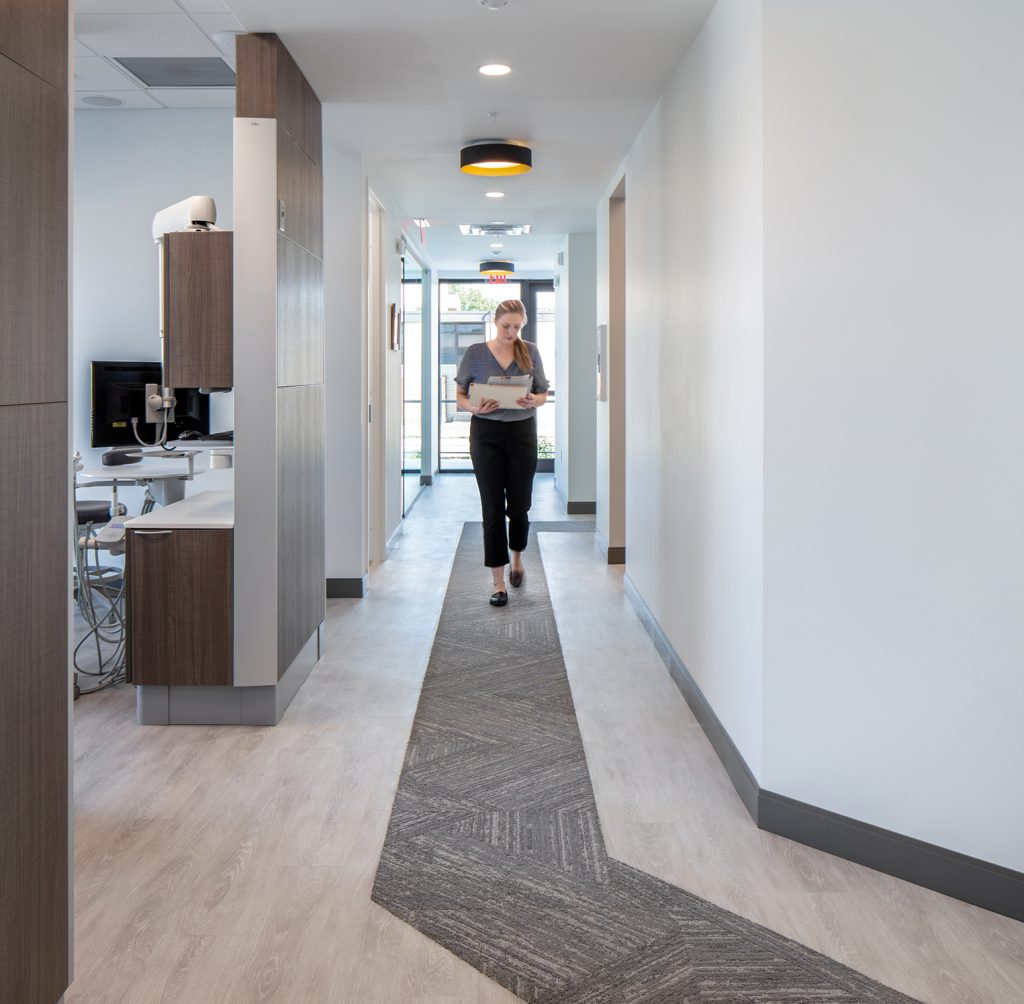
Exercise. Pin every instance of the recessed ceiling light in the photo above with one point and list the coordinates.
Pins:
(422, 223)
(495, 195)
(497, 247)
(101, 101)
(495, 70)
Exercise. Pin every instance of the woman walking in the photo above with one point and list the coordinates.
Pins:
(503, 441)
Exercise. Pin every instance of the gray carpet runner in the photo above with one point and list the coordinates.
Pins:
(494, 847)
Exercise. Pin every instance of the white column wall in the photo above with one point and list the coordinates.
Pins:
(894, 579)
(573, 376)
(694, 367)
(345, 364)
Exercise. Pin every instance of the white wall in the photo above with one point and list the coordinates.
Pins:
(694, 367)
(345, 363)
(894, 579)
(574, 376)
(128, 165)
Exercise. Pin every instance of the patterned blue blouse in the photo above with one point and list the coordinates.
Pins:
(478, 364)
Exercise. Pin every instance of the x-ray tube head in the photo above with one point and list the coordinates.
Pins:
(197, 212)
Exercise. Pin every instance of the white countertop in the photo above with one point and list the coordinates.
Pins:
(148, 469)
(202, 511)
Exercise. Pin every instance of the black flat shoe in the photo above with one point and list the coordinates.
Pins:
(516, 578)
(499, 599)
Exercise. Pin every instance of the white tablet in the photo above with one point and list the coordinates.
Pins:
(505, 394)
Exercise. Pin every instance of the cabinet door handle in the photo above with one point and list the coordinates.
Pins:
(151, 533)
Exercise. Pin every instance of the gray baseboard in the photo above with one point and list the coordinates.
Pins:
(157, 705)
(980, 883)
(426, 479)
(614, 555)
(740, 774)
(347, 589)
(581, 508)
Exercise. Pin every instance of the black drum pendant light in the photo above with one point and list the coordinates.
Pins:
(494, 158)
(497, 268)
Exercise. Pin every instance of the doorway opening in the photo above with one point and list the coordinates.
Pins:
(465, 311)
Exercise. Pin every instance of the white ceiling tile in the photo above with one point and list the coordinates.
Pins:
(205, 6)
(212, 23)
(143, 35)
(126, 7)
(194, 97)
(95, 74)
(130, 99)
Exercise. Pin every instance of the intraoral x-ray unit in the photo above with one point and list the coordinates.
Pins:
(196, 214)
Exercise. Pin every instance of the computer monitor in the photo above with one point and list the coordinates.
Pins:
(119, 395)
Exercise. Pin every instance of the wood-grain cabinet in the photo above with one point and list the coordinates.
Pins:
(198, 309)
(179, 607)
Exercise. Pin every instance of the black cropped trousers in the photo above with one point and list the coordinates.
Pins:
(504, 462)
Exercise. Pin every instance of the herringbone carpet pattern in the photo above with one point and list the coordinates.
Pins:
(494, 847)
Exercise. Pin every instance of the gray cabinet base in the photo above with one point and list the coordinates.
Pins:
(156, 705)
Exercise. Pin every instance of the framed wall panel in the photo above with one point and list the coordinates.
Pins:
(300, 316)
(301, 586)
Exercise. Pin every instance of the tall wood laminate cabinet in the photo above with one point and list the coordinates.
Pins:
(279, 368)
(34, 501)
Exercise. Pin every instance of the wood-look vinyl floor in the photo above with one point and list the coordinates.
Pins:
(235, 864)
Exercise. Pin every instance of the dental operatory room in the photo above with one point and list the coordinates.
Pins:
(136, 171)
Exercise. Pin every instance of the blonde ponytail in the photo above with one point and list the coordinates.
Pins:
(521, 353)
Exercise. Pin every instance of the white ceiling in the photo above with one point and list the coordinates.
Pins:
(399, 83)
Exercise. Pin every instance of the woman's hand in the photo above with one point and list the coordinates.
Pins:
(487, 404)
(531, 400)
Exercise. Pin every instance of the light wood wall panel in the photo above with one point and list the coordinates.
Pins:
(300, 316)
(300, 187)
(301, 585)
(33, 34)
(33, 237)
(34, 703)
(198, 307)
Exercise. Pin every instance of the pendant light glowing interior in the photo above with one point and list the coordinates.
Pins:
(496, 159)
(497, 268)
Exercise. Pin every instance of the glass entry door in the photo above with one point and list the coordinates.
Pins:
(412, 379)
(466, 309)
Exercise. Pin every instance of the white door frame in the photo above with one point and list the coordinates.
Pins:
(375, 381)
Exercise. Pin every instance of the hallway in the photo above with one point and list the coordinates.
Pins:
(235, 864)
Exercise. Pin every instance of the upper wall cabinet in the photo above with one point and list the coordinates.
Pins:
(198, 311)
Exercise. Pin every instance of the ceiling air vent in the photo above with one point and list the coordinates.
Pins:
(180, 71)
(494, 229)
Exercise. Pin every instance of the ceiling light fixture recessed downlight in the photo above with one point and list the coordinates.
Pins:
(495, 195)
(495, 70)
(496, 158)
(497, 268)
(497, 247)
(493, 4)
(101, 101)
